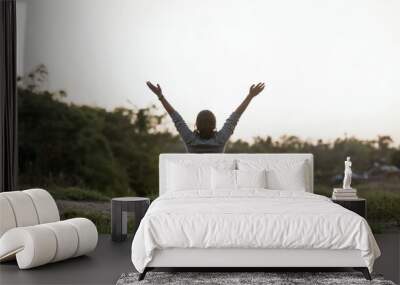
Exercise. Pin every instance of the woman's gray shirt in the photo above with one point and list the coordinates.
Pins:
(195, 144)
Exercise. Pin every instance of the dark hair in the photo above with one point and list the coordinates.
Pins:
(205, 124)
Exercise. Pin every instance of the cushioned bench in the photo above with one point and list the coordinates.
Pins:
(31, 230)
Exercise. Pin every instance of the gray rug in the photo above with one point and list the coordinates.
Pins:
(232, 278)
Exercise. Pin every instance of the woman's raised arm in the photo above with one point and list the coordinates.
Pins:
(227, 129)
(181, 126)
(254, 91)
(157, 90)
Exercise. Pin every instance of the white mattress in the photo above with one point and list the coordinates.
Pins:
(251, 219)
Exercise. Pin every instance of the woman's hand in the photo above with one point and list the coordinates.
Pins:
(256, 89)
(156, 89)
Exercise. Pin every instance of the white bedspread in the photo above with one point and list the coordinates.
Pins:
(250, 219)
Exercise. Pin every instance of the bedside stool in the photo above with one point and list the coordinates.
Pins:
(358, 206)
(119, 215)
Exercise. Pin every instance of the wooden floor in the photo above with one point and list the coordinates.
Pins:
(110, 260)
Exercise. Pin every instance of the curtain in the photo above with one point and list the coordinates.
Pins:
(8, 97)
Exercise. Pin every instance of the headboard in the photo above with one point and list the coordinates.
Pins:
(170, 157)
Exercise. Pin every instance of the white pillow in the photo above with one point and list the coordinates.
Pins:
(291, 179)
(227, 179)
(251, 178)
(181, 177)
(193, 174)
(281, 174)
(223, 179)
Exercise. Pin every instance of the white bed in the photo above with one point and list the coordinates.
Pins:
(248, 227)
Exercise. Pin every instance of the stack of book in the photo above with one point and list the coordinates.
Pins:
(344, 194)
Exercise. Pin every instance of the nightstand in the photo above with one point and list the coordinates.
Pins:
(358, 206)
(119, 215)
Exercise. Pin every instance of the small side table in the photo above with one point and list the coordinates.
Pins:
(358, 206)
(119, 215)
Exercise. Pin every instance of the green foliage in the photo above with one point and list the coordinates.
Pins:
(323, 190)
(383, 206)
(396, 158)
(76, 194)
